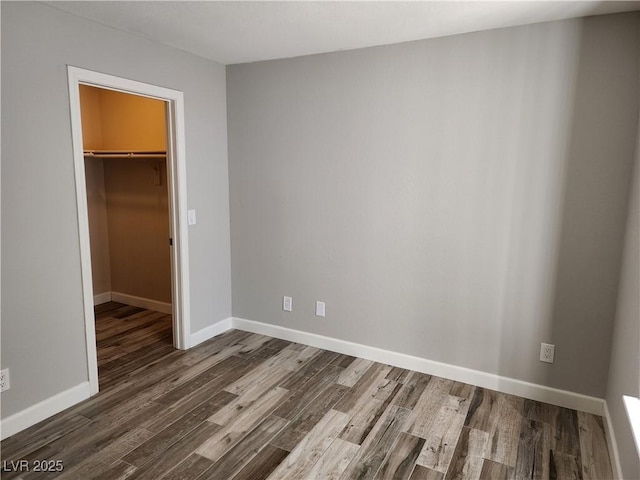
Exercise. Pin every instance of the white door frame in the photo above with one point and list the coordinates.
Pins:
(176, 176)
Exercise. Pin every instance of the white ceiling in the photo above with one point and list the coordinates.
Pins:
(238, 32)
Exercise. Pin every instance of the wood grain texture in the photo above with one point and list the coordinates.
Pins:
(309, 417)
(468, 457)
(593, 446)
(564, 466)
(505, 423)
(534, 448)
(245, 406)
(442, 437)
(261, 466)
(191, 467)
(238, 427)
(333, 461)
(376, 446)
(495, 471)
(247, 448)
(424, 473)
(401, 458)
(426, 409)
(309, 450)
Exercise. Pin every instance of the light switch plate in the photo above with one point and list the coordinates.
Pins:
(287, 304)
(191, 217)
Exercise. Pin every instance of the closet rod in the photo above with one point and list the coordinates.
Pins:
(125, 154)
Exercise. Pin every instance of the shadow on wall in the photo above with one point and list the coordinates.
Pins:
(584, 260)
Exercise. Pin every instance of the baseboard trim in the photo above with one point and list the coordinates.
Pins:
(101, 298)
(491, 381)
(42, 410)
(614, 455)
(142, 302)
(211, 331)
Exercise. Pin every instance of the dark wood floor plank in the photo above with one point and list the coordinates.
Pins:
(469, 455)
(190, 468)
(593, 448)
(133, 360)
(398, 374)
(263, 464)
(219, 343)
(174, 455)
(107, 456)
(563, 466)
(424, 473)
(175, 431)
(540, 411)
(118, 471)
(343, 361)
(482, 404)
(374, 449)
(333, 462)
(301, 398)
(566, 434)
(247, 448)
(267, 350)
(429, 404)
(495, 471)
(113, 330)
(401, 459)
(39, 435)
(309, 449)
(224, 370)
(411, 390)
(366, 387)
(308, 417)
(534, 446)
(354, 372)
(244, 422)
(368, 413)
(442, 437)
(504, 433)
(299, 379)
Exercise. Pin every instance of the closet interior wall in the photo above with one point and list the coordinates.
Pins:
(127, 197)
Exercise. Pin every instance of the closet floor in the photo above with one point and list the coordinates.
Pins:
(247, 406)
(128, 338)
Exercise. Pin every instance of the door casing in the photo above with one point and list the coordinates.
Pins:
(177, 185)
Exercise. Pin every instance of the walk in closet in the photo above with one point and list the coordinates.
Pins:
(124, 141)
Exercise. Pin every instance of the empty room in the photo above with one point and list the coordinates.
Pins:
(320, 240)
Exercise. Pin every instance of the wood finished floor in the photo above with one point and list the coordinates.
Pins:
(245, 406)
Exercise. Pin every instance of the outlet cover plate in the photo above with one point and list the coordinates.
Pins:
(547, 352)
(287, 304)
(4, 380)
(320, 309)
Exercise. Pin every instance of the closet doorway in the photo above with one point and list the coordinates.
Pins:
(129, 163)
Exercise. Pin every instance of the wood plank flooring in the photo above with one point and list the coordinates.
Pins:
(244, 406)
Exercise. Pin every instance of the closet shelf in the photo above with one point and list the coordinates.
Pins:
(125, 153)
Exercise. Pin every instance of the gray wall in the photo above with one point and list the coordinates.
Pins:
(460, 199)
(624, 373)
(42, 319)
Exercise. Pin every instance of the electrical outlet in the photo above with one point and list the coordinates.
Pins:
(320, 309)
(287, 304)
(4, 380)
(547, 352)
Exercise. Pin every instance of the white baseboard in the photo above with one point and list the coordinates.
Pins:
(43, 410)
(614, 456)
(491, 381)
(211, 331)
(142, 302)
(101, 298)
(36, 413)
